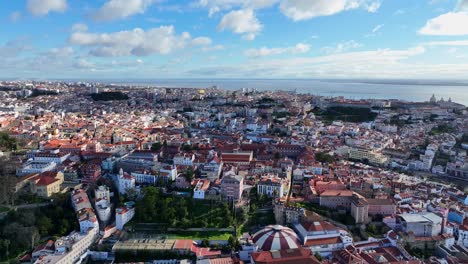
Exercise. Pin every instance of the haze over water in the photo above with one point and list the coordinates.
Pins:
(413, 90)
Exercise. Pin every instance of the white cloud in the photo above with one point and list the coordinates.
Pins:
(215, 6)
(79, 27)
(249, 37)
(376, 63)
(342, 47)
(213, 48)
(264, 51)
(306, 9)
(15, 16)
(447, 43)
(202, 41)
(377, 28)
(462, 5)
(14, 47)
(448, 24)
(373, 7)
(43, 7)
(83, 64)
(301, 48)
(241, 21)
(119, 9)
(137, 42)
(60, 52)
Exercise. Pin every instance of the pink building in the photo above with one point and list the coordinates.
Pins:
(321, 186)
(232, 186)
(336, 198)
(381, 206)
(91, 172)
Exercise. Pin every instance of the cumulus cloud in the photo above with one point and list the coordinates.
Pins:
(119, 9)
(462, 5)
(264, 51)
(448, 24)
(342, 47)
(373, 6)
(137, 42)
(202, 41)
(215, 6)
(43, 7)
(79, 27)
(242, 22)
(305, 9)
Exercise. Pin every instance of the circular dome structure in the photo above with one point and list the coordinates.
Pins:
(276, 237)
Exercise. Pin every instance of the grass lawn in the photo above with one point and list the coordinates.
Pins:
(210, 235)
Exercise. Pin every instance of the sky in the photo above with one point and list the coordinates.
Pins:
(151, 39)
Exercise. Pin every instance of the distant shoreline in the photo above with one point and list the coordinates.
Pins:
(385, 89)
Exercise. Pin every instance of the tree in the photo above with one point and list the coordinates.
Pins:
(277, 156)
(7, 182)
(7, 143)
(372, 229)
(324, 157)
(189, 174)
(44, 224)
(4, 248)
(27, 218)
(231, 242)
(156, 146)
(205, 243)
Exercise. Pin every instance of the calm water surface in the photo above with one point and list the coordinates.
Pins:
(410, 91)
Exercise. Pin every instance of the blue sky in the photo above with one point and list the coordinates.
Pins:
(234, 39)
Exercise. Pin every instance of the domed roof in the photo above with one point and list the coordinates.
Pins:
(276, 237)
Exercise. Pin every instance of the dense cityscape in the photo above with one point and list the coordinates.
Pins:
(101, 173)
(234, 132)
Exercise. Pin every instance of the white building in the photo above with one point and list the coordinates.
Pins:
(87, 220)
(211, 170)
(247, 250)
(53, 155)
(272, 186)
(259, 127)
(102, 192)
(168, 171)
(125, 182)
(34, 166)
(422, 224)
(103, 210)
(200, 189)
(463, 236)
(70, 248)
(322, 237)
(123, 215)
(84, 211)
(144, 178)
(184, 159)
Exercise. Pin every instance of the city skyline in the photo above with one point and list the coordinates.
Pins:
(234, 39)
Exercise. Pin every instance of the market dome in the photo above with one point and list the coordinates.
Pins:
(276, 237)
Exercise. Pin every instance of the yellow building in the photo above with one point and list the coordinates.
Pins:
(47, 183)
(373, 157)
